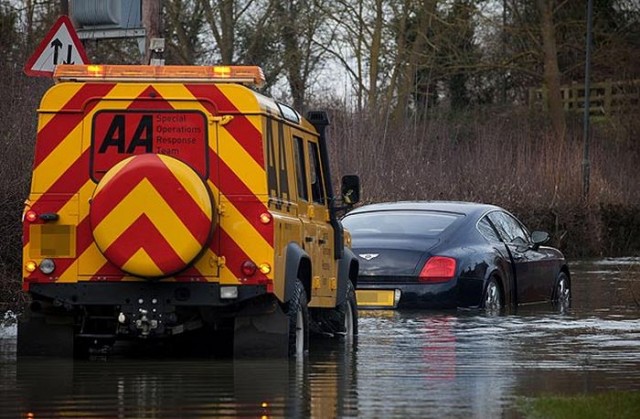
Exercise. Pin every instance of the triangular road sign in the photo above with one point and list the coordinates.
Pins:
(60, 46)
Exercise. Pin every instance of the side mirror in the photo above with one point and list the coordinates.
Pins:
(539, 237)
(350, 189)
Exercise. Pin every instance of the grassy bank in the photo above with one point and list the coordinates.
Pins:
(618, 405)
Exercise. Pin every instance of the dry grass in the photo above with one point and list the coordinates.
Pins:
(508, 158)
(501, 156)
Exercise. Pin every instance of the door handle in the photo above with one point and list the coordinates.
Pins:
(321, 241)
(308, 239)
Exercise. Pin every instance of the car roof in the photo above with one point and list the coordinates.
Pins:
(460, 207)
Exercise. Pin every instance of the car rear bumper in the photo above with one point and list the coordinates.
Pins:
(446, 295)
(429, 296)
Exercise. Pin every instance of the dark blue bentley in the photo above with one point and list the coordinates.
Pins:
(427, 254)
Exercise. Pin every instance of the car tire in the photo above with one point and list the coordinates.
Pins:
(298, 314)
(562, 292)
(492, 301)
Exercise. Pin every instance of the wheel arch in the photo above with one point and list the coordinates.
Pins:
(297, 266)
(348, 267)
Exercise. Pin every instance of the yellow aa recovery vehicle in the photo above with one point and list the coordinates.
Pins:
(175, 203)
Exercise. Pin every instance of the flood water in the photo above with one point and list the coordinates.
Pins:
(406, 364)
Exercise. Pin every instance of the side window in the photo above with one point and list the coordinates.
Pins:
(272, 159)
(277, 177)
(301, 174)
(486, 229)
(317, 186)
(509, 228)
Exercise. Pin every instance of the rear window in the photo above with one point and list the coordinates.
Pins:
(418, 223)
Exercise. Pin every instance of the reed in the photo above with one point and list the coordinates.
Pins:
(504, 156)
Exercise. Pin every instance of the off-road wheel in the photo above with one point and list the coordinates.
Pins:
(298, 314)
(38, 335)
(341, 321)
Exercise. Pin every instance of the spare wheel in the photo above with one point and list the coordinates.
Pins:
(151, 215)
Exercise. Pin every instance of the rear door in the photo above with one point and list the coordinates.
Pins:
(149, 118)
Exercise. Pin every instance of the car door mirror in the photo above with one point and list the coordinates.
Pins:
(539, 238)
(350, 189)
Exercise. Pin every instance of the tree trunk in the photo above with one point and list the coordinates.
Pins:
(151, 23)
(551, 69)
(376, 45)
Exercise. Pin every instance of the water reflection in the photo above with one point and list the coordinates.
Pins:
(185, 388)
(407, 364)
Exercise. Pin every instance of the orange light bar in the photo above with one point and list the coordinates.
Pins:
(252, 75)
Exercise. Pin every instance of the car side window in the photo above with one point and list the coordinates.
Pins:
(509, 228)
(486, 229)
(301, 173)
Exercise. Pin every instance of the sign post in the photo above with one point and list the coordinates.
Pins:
(60, 46)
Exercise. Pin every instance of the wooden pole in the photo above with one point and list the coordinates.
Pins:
(586, 164)
(151, 24)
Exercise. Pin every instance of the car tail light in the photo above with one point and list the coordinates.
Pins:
(438, 269)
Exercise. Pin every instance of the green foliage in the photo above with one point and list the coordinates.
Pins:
(618, 405)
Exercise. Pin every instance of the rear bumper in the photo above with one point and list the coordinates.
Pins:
(102, 310)
(131, 293)
(446, 295)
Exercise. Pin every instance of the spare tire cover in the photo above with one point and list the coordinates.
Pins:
(151, 215)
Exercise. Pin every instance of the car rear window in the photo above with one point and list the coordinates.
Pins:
(419, 223)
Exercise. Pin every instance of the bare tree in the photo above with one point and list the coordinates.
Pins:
(304, 35)
(223, 17)
(551, 69)
(183, 29)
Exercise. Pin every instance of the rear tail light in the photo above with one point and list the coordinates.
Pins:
(249, 268)
(31, 216)
(438, 269)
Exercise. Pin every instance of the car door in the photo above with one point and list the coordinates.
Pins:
(530, 285)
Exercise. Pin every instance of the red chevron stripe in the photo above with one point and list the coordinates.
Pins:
(235, 257)
(172, 191)
(108, 270)
(240, 128)
(70, 182)
(57, 129)
(156, 246)
(191, 274)
(242, 197)
(150, 99)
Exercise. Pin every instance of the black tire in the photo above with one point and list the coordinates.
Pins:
(339, 322)
(298, 314)
(348, 314)
(37, 336)
(492, 300)
(562, 292)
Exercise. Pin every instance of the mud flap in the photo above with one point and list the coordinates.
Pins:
(261, 335)
(38, 335)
